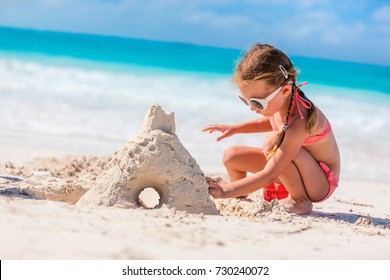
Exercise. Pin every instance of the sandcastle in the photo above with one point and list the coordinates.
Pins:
(153, 161)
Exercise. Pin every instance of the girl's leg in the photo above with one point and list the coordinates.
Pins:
(303, 178)
(313, 177)
(297, 202)
(305, 181)
(239, 160)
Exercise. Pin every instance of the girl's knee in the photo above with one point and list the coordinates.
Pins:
(231, 154)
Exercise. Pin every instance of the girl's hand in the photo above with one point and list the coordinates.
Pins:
(226, 130)
(215, 188)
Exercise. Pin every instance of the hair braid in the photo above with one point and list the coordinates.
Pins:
(290, 105)
(280, 138)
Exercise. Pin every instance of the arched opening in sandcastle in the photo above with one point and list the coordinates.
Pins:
(149, 198)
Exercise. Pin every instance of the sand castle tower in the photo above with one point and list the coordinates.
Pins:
(153, 169)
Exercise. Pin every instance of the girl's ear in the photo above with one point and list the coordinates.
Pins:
(287, 89)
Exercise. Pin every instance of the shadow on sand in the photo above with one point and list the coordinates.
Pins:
(352, 218)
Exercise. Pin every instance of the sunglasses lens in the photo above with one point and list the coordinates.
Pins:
(243, 100)
(257, 104)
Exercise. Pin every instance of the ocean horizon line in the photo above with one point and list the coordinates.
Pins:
(238, 51)
(131, 55)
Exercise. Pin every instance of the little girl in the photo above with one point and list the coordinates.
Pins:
(300, 150)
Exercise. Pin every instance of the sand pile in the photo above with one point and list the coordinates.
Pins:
(152, 169)
(64, 180)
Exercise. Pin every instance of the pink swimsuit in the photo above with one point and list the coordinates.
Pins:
(332, 178)
(311, 139)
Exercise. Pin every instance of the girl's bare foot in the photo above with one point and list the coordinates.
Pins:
(297, 206)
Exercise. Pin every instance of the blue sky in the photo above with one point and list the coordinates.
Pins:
(352, 30)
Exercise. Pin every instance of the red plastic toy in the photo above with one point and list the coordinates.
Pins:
(275, 191)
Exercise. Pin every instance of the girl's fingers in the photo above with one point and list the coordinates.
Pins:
(211, 190)
(210, 180)
(218, 179)
(212, 128)
(215, 191)
(209, 127)
(224, 135)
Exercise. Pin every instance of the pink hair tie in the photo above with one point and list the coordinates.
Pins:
(299, 100)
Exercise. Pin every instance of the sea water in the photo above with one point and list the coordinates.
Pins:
(89, 95)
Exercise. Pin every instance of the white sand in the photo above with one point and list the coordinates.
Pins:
(353, 224)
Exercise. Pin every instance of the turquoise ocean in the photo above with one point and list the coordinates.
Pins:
(88, 94)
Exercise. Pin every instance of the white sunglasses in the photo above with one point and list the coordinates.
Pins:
(260, 103)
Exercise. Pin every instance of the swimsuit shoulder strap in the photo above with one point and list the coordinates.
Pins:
(316, 138)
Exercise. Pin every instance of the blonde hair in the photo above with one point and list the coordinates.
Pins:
(265, 62)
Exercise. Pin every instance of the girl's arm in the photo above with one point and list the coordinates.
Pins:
(292, 143)
(253, 126)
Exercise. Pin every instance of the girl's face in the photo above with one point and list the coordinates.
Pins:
(261, 89)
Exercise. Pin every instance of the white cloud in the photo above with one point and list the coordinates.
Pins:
(221, 21)
(324, 27)
(343, 34)
(311, 24)
(382, 14)
(381, 28)
(310, 3)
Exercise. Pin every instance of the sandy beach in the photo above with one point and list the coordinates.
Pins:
(353, 224)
